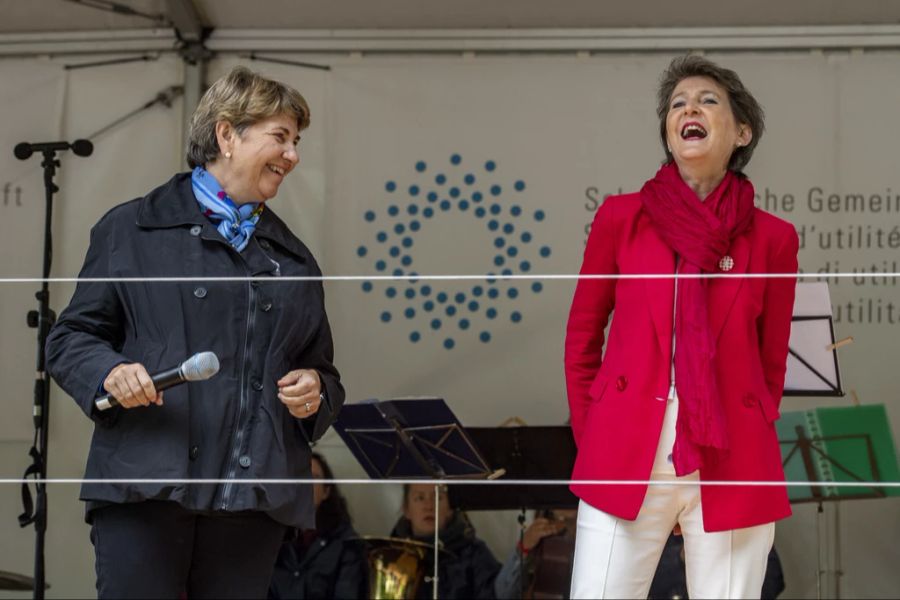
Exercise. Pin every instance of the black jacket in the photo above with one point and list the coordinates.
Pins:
(467, 571)
(334, 565)
(232, 426)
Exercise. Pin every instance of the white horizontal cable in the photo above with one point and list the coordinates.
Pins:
(477, 277)
(488, 482)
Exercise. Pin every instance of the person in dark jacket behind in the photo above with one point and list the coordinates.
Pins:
(468, 569)
(277, 389)
(328, 561)
(670, 581)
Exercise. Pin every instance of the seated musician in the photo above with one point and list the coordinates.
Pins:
(328, 561)
(546, 550)
(468, 569)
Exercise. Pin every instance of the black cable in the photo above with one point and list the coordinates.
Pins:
(165, 97)
(114, 61)
(121, 9)
(293, 63)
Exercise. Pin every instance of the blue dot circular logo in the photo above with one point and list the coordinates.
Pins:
(453, 312)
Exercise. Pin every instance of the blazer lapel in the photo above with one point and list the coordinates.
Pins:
(723, 291)
(658, 259)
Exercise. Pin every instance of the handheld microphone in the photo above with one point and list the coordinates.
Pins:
(199, 367)
(79, 147)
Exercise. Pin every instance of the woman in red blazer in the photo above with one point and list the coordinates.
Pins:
(689, 384)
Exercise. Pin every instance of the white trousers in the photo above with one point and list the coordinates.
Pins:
(615, 558)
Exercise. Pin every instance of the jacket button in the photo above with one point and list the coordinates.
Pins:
(749, 400)
(265, 244)
(195, 230)
(244, 461)
(621, 383)
(257, 385)
(265, 305)
(200, 292)
(195, 450)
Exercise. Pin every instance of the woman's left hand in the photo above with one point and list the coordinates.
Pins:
(300, 391)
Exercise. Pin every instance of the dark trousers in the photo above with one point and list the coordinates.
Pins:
(161, 550)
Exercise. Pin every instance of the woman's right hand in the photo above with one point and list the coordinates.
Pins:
(132, 386)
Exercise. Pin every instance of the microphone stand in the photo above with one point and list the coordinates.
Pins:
(42, 319)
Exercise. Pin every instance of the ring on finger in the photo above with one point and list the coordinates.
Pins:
(308, 407)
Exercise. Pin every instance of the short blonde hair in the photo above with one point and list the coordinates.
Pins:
(241, 98)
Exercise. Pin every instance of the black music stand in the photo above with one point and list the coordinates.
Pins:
(411, 438)
(408, 439)
(546, 452)
(808, 454)
(812, 362)
(835, 445)
(811, 455)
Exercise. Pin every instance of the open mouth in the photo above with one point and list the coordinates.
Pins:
(693, 131)
(276, 170)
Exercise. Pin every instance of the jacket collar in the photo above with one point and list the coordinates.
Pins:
(724, 291)
(173, 205)
(658, 258)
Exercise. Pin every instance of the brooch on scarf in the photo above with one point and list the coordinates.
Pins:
(726, 263)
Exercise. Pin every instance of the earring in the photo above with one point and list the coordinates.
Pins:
(228, 155)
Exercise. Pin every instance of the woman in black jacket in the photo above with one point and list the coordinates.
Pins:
(328, 561)
(156, 535)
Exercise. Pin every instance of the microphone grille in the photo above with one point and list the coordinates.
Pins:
(22, 151)
(82, 147)
(200, 366)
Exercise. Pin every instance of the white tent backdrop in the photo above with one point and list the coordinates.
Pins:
(441, 165)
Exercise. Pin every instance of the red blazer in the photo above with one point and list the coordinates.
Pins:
(617, 397)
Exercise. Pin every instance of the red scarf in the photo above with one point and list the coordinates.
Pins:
(700, 233)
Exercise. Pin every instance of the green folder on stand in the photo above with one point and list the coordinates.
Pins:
(838, 444)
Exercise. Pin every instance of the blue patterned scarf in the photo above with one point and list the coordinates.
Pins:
(235, 223)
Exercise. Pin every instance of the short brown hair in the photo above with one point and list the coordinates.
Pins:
(744, 107)
(242, 98)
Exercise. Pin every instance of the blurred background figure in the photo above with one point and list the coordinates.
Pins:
(670, 583)
(467, 569)
(328, 561)
(546, 550)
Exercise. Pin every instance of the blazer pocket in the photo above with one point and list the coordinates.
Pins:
(769, 410)
(598, 387)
